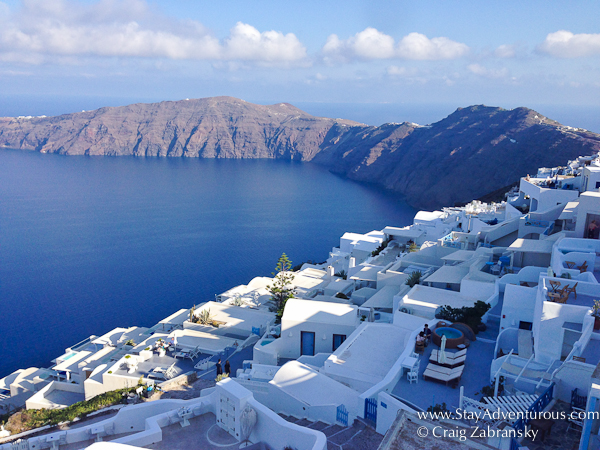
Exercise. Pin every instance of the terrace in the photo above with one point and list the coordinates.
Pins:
(427, 393)
(146, 368)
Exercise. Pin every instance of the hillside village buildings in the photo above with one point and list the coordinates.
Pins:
(348, 346)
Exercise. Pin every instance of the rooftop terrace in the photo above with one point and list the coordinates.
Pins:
(427, 393)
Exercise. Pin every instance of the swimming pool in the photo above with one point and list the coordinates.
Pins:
(454, 337)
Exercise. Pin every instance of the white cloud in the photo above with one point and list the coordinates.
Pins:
(128, 28)
(564, 44)
(482, 71)
(419, 46)
(505, 51)
(396, 71)
(247, 43)
(373, 44)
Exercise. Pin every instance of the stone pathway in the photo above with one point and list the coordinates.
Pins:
(356, 437)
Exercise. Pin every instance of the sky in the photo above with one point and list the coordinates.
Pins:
(370, 61)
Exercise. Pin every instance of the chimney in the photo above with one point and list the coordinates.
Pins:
(330, 271)
(352, 262)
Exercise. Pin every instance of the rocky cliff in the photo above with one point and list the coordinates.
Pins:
(473, 151)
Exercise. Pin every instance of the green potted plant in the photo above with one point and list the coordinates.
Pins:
(596, 314)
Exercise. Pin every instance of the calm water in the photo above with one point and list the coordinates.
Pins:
(89, 244)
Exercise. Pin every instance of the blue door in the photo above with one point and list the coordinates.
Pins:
(307, 339)
(338, 339)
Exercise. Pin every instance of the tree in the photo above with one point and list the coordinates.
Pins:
(280, 290)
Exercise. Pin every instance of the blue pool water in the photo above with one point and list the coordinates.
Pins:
(450, 333)
(90, 243)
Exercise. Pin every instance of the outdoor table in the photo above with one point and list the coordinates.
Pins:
(409, 363)
(569, 264)
(555, 285)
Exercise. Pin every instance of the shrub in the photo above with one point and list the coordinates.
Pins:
(437, 409)
(414, 278)
(238, 301)
(488, 391)
(34, 418)
(205, 318)
(379, 249)
(342, 274)
(469, 315)
(221, 377)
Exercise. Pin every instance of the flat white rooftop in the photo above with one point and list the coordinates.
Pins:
(383, 298)
(312, 387)
(404, 232)
(531, 246)
(459, 255)
(430, 297)
(367, 273)
(298, 310)
(448, 274)
(236, 316)
(206, 342)
(369, 354)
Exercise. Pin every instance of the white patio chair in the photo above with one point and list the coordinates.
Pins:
(413, 375)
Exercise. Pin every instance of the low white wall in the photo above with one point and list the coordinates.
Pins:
(571, 375)
(279, 433)
(387, 410)
(479, 290)
(519, 305)
(146, 420)
(549, 340)
(395, 373)
(269, 353)
(39, 400)
(284, 403)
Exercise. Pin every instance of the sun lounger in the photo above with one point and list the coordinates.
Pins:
(451, 355)
(162, 373)
(189, 354)
(443, 374)
(450, 360)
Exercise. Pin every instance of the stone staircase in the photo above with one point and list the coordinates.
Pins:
(358, 436)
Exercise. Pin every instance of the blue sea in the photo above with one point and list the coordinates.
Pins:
(91, 243)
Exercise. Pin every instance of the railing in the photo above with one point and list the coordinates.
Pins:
(254, 386)
(534, 410)
(82, 343)
(342, 415)
(371, 409)
(514, 445)
(448, 241)
(536, 223)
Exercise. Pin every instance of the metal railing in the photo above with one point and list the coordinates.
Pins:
(536, 408)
